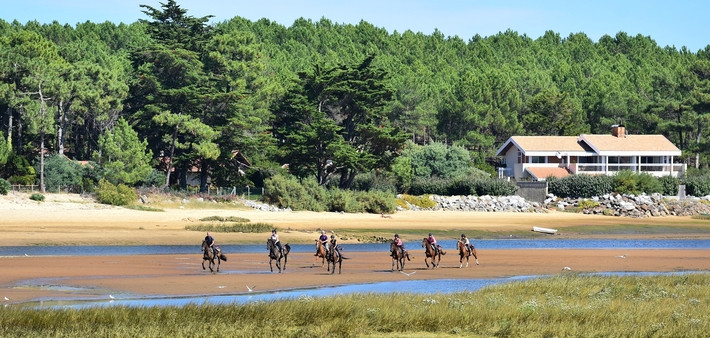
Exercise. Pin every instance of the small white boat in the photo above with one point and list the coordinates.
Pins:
(545, 230)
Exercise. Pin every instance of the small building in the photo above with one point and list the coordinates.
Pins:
(535, 158)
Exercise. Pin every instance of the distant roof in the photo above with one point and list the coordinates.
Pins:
(543, 173)
(544, 144)
(588, 144)
(636, 144)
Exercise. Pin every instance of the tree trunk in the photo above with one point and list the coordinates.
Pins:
(698, 139)
(203, 176)
(172, 157)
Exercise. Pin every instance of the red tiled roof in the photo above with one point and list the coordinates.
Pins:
(543, 173)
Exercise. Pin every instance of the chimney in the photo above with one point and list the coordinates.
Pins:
(618, 130)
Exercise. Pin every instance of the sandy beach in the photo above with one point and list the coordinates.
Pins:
(72, 220)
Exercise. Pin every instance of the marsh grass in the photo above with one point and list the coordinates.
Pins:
(142, 208)
(561, 306)
(233, 227)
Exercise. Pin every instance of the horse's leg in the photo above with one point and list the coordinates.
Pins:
(270, 266)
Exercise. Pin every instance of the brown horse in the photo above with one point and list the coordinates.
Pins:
(433, 255)
(398, 257)
(321, 252)
(464, 253)
(276, 255)
(335, 256)
(209, 255)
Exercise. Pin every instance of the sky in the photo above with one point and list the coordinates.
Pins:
(681, 23)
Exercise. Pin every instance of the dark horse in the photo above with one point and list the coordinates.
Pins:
(276, 255)
(209, 255)
(432, 254)
(398, 257)
(334, 256)
(321, 252)
(464, 253)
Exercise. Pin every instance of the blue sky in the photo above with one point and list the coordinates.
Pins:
(669, 23)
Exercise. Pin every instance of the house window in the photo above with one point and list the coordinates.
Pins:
(538, 159)
(520, 157)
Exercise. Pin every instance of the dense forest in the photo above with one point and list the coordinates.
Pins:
(319, 99)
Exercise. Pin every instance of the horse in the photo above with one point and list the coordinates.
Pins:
(209, 255)
(464, 253)
(321, 252)
(398, 257)
(276, 255)
(335, 256)
(432, 254)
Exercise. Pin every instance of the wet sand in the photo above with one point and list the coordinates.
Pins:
(70, 220)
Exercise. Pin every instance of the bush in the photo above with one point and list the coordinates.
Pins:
(37, 197)
(669, 185)
(582, 186)
(432, 185)
(495, 187)
(4, 187)
(419, 201)
(697, 185)
(19, 170)
(377, 202)
(107, 193)
(628, 182)
(373, 181)
(287, 192)
(343, 200)
(156, 178)
(61, 172)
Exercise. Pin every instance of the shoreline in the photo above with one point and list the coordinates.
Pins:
(66, 219)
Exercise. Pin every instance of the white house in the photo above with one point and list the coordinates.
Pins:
(538, 157)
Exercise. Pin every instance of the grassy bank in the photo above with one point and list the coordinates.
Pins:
(565, 305)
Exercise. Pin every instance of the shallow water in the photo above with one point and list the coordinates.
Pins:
(486, 244)
(440, 286)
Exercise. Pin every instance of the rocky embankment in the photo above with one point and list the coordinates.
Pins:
(633, 205)
(610, 204)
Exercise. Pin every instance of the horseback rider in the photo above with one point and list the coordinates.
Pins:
(398, 243)
(466, 243)
(432, 242)
(323, 240)
(209, 240)
(333, 243)
(275, 239)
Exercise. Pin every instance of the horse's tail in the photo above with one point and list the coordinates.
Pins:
(287, 247)
(222, 257)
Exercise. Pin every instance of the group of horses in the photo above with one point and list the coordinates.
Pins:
(431, 255)
(333, 255)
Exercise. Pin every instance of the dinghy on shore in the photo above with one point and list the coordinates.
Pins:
(545, 230)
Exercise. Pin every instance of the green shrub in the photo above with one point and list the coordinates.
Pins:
(377, 202)
(107, 193)
(432, 185)
(697, 185)
(344, 200)
(19, 170)
(288, 192)
(420, 201)
(669, 185)
(4, 187)
(581, 186)
(37, 197)
(61, 172)
(224, 219)
(373, 181)
(495, 187)
(628, 182)
(586, 204)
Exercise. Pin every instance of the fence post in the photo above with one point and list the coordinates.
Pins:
(248, 192)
